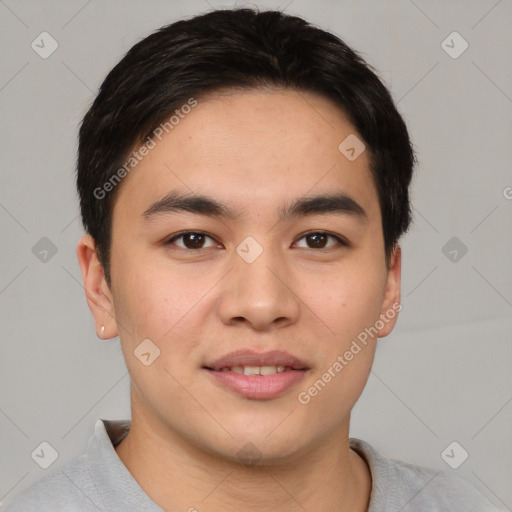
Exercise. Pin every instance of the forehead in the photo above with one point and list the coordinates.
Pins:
(251, 148)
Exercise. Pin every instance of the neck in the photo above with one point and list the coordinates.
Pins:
(177, 475)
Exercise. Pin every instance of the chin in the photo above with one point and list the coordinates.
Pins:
(263, 449)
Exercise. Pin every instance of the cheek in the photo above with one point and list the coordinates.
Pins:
(159, 307)
(349, 304)
(346, 301)
(152, 297)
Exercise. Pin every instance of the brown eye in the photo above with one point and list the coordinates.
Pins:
(192, 240)
(319, 240)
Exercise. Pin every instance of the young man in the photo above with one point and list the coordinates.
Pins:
(243, 180)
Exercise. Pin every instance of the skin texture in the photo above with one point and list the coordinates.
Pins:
(254, 151)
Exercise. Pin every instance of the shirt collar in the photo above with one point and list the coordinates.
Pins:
(382, 477)
(120, 491)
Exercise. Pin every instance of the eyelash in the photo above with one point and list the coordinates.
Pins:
(342, 242)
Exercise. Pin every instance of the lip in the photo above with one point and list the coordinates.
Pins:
(257, 387)
(245, 357)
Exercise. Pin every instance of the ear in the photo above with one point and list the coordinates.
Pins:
(391, 304)
(97, 292)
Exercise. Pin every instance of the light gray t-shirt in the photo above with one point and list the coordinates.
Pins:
(98, 480)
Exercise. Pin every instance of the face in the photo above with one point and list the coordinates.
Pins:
(201, 284)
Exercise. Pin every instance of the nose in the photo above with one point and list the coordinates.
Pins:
(260, 294)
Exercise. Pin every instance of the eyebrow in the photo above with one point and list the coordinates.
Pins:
(337, 203)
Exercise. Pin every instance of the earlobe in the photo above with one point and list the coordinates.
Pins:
(97, 292)
(391, 305)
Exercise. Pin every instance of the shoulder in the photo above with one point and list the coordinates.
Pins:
(399, 485)
(422, 488)
(68, 489)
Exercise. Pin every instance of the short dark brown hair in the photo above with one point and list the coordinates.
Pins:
(241, 48)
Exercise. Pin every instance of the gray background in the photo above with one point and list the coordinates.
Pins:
(444, 373)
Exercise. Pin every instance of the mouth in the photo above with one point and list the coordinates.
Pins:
(256, 370)
(257, 376)
(242, 361)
